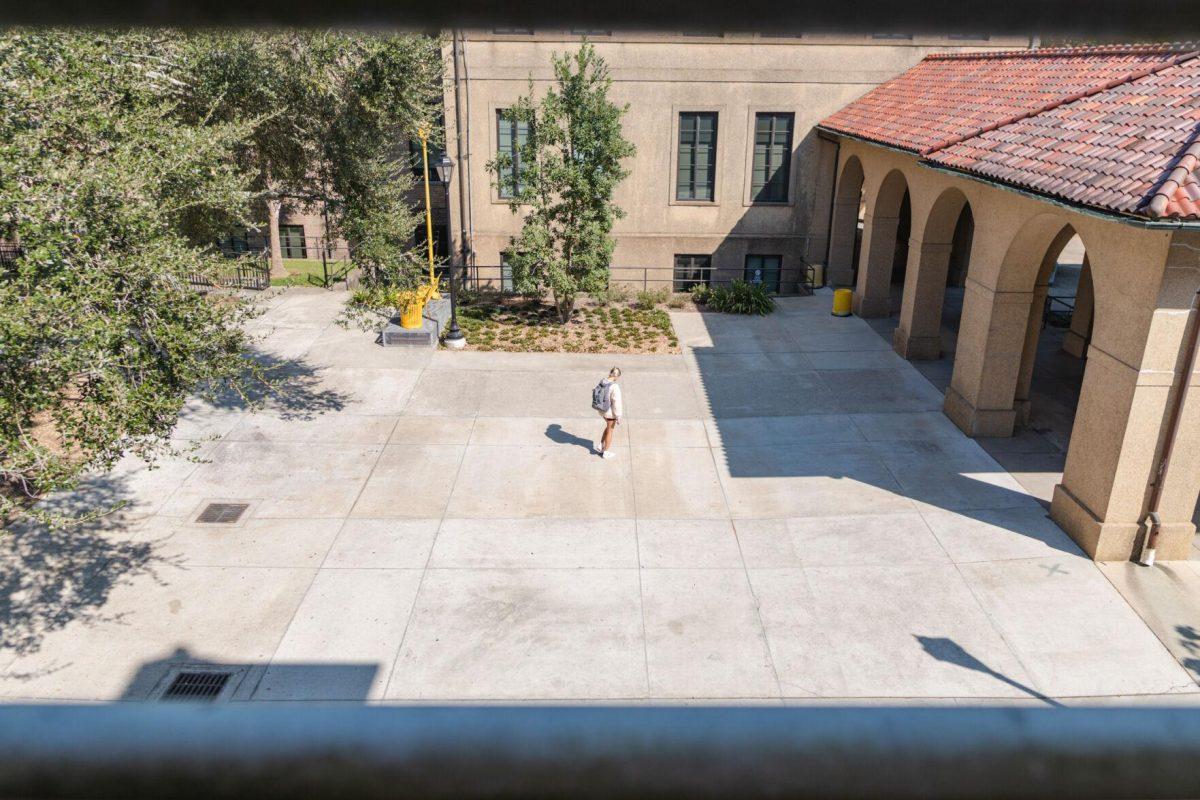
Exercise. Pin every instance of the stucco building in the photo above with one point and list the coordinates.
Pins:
(1040, 147)
(730, 178)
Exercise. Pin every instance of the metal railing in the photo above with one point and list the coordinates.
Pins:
(245, 273)
(1058, 311)
(9, 253)
(790, 281)
(273, 751)
(333, 255)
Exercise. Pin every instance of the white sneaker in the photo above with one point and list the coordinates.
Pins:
(606, 454)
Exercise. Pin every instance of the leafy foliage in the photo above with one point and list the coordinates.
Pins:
(570, 165)
(741, 297)
(650, 298)
(107, 190)
(330, 108)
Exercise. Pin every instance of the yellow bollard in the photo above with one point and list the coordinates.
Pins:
(841, 302)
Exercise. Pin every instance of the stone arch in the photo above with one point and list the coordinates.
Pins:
(1037, 310)
(919, 335)
(843, 243)
(881, 221)
(1001, 318)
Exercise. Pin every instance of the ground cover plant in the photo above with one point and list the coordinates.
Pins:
(530, 326)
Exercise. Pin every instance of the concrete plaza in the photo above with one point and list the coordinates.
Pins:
(789, 518)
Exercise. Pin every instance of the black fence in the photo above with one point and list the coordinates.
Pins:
(799, 280)
(1058, 311)
(245, 272)
(309, 260)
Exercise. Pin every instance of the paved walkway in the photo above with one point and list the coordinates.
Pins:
(789, 518)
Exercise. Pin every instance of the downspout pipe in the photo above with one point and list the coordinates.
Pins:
(1153, 521)
(462, 130)
(837, 160)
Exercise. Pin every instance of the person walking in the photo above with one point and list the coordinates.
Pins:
(606, 398)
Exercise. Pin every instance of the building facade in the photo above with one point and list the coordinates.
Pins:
(730, 179)
(1090, 143)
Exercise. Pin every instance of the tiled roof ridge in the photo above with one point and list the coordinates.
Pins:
(1144, 49)
(1061, 101)
(1183, 176)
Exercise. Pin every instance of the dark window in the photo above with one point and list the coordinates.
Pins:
(291, 241)
(589, 32)
(441, 239)
(978, 37)
(692, 270)
(772, 157)
(511, 135)
(891, 35)
(764, 270)
(780, 35)
(513, 31)
(697, 173)
(414, 158)
(708, 34)
(506, 284)
(233, 245)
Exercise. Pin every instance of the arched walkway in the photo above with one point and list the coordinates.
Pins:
(919, 335)
(844, 235)
(881, 221)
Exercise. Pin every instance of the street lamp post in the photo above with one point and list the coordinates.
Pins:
(454, 337)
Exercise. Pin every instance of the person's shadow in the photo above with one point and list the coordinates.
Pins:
(555, 433)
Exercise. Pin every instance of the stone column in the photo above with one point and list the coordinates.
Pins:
(872, 296)
(987, 360)
(840, 270)
(1116, 444)
(919, 336)
(1033, 332)
(1076, 339)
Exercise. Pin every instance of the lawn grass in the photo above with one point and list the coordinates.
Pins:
(304, 272)
(517, 325)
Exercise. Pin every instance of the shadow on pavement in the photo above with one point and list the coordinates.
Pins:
(949, 651)
(337, 682)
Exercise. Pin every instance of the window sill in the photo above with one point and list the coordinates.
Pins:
(769, 203)
(700, 203)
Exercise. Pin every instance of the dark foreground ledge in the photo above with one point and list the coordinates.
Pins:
(294, 751)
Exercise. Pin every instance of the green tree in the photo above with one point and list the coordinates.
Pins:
(569, 166)
(330, 109)
(107, 193)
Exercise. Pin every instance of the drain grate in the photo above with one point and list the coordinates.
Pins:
(222, 513)
(197, 686)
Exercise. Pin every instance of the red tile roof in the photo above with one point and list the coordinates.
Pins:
(1109, 127)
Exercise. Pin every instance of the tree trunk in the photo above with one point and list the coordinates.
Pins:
(274, 207)
(565, 305)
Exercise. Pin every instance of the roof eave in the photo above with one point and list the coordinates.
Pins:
(895, 148)
(1135, 220)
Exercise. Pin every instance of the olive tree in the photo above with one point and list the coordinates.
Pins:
(107, 194)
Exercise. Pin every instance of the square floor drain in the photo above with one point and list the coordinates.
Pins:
(222, 513)
(197, 686)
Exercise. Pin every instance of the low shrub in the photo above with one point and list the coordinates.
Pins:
(615, 293)
(741, 297)
(700, 293)
(650, 298)
(678, 301)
